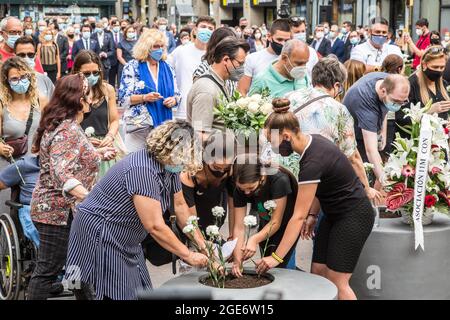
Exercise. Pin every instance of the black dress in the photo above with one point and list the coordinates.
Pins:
(414, 97)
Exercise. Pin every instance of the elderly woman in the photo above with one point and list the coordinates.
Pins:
(148, 90)
(105, 250)
(69, 165)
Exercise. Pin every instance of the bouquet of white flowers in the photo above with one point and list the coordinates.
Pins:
(245, 115)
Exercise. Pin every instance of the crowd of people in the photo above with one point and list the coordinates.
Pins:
(337, 100)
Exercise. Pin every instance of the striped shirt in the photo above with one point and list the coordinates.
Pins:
(104, 245)
(48, 54)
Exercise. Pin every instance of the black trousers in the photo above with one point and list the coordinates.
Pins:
(51, 70)
(51, 258)
(113, 74)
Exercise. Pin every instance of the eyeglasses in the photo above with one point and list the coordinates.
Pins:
(297, 19)
(15, 80)
(94, 73)
(30, 55)
(14, 33)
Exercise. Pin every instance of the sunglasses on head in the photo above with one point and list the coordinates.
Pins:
(30, 55)
(297, 19)
(435, 51)
(94, 73)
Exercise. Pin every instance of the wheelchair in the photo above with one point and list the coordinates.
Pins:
(17, 253)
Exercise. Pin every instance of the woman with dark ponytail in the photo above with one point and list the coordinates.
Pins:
(257, 184)
(325, 174)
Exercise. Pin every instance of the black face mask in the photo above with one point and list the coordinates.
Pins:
(276, 47)
(218, 174)
(433, 75)
(435, 42)
(243, 27)
(246, 36)
(285, 148)
(71, 36)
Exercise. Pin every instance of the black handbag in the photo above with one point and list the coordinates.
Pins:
(153, 251)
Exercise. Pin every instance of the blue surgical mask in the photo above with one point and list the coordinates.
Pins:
(21, 87)
(379, 40)
(116, 29)
(28, 32)
(77, 31)
(354, 41)
(99, 30)
(174, 169)
(391, 106)
(131, 36)
(300, 36)
(204, 34)
(86, 35)
(48, 37)
(92, 80)
(157, 54)
(12, 40)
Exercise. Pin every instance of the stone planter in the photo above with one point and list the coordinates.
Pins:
(390, 269)
(287, 285)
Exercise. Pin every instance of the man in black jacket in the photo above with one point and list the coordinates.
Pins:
(63, 47)
(107, 49)
(320, 43)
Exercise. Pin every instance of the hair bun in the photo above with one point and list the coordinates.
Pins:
(281, 105)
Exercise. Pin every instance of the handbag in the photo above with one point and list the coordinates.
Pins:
(153, 251)
(20, 145)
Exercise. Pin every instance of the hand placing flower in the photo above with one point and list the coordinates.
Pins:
(249, 249)
(265, 264)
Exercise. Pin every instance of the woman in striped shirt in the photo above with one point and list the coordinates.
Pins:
(105, 255)
(48, 53)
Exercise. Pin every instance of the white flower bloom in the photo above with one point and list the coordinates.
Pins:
(218, 212)
(256, 98)
(266, 108)
(415, 112)
(188, 229)
(394, 166)
(212, 231)
(250, 221)
(242, 102)
(90, 131)
(140, 85)
(253, 107)
(368, 166)
(192, 220)
(270, 205)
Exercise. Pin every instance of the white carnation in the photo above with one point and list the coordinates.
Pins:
(212, 231)
(218, 212)
(90, 131)
(270, 205)
(242, 102)
(253, 107)
(188, 229)
(250, 221)
(192, 220)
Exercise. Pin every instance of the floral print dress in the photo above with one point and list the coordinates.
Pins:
(67, 158)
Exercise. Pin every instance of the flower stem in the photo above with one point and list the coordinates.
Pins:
(18, 170)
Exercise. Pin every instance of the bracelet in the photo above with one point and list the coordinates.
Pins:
(276, 257)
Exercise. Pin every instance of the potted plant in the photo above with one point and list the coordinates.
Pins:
(400, 169)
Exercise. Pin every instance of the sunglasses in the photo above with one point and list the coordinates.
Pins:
(434, 51)
(94, 73)
(297, 19)
(30, 55)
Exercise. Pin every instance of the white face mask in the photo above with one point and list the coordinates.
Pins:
(297, 73)
(333, 34)
(257, 36)
(447, 38)
(319, 35)
(419, 32)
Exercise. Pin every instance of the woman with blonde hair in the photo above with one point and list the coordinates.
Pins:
(20, 108)
(355, 71)
(427, 84)
(107, 231)
(48, 54)
(148, 89)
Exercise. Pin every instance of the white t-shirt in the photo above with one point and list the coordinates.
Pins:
(184, 60)
(260, 60)
(369, 55)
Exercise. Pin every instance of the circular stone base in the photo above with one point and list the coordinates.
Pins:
(287, 285)
(389, 268)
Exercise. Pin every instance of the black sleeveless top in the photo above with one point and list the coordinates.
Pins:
(98, 118)
(205, 199)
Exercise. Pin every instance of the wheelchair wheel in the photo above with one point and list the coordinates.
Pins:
(10, 269)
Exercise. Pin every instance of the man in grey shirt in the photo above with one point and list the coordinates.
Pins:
(229, 59)
(26, 49)
(369, 101)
